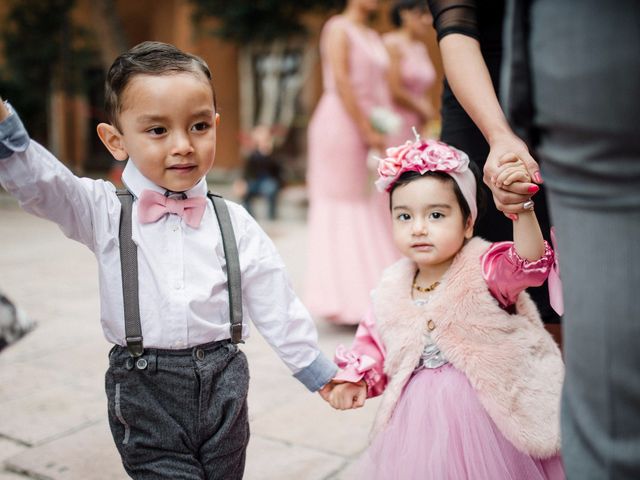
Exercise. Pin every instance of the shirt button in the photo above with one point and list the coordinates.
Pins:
(177, 286)
(431, 325)
(175, 228)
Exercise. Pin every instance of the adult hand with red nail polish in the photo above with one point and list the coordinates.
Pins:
(506, 149)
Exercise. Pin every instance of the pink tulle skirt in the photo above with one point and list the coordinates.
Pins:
(440, 431)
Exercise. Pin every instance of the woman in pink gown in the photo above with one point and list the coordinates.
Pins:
(349, 229)
(411, 72)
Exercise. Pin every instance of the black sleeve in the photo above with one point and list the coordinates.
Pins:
(454, 16)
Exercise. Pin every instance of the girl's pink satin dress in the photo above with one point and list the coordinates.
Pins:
(439, 430)
(350, 239)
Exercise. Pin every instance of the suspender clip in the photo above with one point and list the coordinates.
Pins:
(236, 333)
(134, 345)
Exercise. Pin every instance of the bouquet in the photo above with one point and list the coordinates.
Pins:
(383, 121)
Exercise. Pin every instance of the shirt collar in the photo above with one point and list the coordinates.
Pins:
(136, 183)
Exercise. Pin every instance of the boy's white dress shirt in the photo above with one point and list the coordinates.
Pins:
(182, 281)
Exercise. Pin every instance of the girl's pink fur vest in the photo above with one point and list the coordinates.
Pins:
(511, 361)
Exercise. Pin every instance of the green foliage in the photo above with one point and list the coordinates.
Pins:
(37, 36)
(260, 21)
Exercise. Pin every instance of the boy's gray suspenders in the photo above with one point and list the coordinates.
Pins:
(129, 266)
(234, 284)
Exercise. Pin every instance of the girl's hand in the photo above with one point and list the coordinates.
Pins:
(511, 172)
(504, 150)
(348, 395)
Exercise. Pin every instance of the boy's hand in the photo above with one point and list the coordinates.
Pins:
(325, 391)
(348, 395)
(4, 113)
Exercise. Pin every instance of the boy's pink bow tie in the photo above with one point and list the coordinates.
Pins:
(153, 205)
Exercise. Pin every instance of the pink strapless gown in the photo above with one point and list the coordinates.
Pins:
(350, 240)
(418, 76)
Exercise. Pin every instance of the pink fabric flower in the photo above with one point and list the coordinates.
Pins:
(388, 167)
(419, 156)
(439, 156)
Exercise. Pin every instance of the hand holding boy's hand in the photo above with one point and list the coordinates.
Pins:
(348, 395)
(4, 112)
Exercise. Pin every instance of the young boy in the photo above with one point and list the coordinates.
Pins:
(177, 383)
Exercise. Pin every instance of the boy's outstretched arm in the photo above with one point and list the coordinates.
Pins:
(45, 187)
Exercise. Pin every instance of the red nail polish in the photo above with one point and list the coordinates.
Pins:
(537, 177)
(533, 189)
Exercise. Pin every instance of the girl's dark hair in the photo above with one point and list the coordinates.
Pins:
(401, 5)
(148, 58)
(408, 177)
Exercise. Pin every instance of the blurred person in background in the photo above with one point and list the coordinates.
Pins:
(411, 72)
(350, 239)
(262, 175)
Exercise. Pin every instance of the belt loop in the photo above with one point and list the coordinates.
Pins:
(153, 360)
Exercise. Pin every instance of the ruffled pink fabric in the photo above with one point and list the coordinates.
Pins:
(365, 359)
(507, 274)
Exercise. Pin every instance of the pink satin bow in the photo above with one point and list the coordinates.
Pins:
(360, 363)
(555, 284)
(153, 205)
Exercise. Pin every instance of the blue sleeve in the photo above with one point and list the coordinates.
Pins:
(13, 136)
(318, 373)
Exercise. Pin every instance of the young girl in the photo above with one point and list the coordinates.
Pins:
(471, 379)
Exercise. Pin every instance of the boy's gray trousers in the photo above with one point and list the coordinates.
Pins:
(180, 414)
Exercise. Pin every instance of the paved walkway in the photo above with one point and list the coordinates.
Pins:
(52, 402)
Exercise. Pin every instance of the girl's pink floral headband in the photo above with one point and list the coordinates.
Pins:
(428, 156)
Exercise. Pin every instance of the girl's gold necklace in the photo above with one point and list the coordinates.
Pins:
(424, 289)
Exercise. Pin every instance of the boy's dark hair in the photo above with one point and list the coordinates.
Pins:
(148, 58)
(401, 5)
(408, 177)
